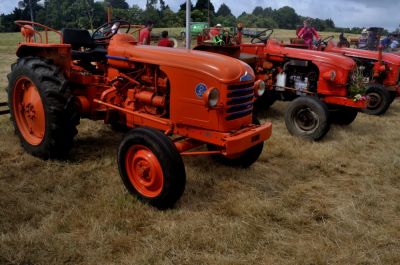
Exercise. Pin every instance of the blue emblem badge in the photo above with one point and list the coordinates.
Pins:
(246, 77)
(200, 89)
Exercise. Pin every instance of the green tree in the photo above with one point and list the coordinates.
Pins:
(258, 11)
(204, 5)
(122, 4)
(224, 11)
(286, 17)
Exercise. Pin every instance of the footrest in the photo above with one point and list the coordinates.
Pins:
(4, 108)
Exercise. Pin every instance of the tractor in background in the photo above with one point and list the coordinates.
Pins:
(173, 100)
(380, 71)
(323, 88)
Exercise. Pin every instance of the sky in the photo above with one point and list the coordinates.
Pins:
(345, 13)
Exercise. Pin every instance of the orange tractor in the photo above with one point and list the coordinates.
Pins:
(323, 88)
(380, 71)
(174, 100)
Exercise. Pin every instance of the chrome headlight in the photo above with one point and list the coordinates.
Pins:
(211, 97)
(259, 88)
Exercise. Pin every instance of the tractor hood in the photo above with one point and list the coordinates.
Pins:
(366, 54)
(223, 68)
(276, 48)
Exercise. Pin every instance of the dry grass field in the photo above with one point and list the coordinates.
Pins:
(332, 202)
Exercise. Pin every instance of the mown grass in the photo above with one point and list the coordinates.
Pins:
(331, 202)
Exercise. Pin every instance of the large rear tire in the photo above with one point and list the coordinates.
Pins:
(42, 108)
(307, 117)
(151, 167)
(379, 100)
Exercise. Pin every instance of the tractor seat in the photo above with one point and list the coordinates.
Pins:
(248, 58)
(80, 38)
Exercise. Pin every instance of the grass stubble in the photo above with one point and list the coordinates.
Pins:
(331, 202)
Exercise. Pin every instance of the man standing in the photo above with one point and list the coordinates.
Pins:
(239, 34)
(362, 41)
(307, 33)
(215, 31)
(145, 34)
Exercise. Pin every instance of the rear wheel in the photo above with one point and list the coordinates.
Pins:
(307, 117)
(343, 115)
(379, 100)
(243, 160)
(151, 167)
(42, 108)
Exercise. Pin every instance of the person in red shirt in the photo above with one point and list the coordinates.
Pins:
(145, 34)
(307, 33)
(165, 41)
(215, 31)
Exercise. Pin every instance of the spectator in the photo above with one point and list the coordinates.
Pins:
(307, 33)
(215, 31)
(145, 34)
(165, 41)
(387, 41)
(239, 34)
(343, 42)
(394, 44)
(362, 41)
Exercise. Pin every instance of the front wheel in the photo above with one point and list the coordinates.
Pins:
(344, 115)
(151, 167)
(307, 117)
(393, 96)
(379, 100)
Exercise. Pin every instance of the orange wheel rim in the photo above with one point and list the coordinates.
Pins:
(144, 171)
(29, 111)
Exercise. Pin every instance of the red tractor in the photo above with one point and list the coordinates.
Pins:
(381, 71)
(323, 87)
(174, 100)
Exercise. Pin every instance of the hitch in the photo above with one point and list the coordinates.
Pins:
(4, 108)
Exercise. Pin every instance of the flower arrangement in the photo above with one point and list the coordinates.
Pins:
(358, 84)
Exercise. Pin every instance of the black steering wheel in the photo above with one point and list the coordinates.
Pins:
(262, 39)
(107, 30)
(325, 41)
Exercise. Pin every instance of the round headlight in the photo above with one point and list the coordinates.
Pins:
(330, 75)
(211, 97)
(259, 88)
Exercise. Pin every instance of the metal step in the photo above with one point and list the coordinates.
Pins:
(4, 108)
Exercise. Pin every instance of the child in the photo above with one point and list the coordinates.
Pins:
(307, 33)
(164, 41)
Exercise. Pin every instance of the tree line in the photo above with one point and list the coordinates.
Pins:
(91, 14)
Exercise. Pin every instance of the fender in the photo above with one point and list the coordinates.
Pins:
(60, 54)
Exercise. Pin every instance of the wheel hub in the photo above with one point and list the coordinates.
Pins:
(144, 171)
(374, 100)
(29, 111)
(306, 119)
